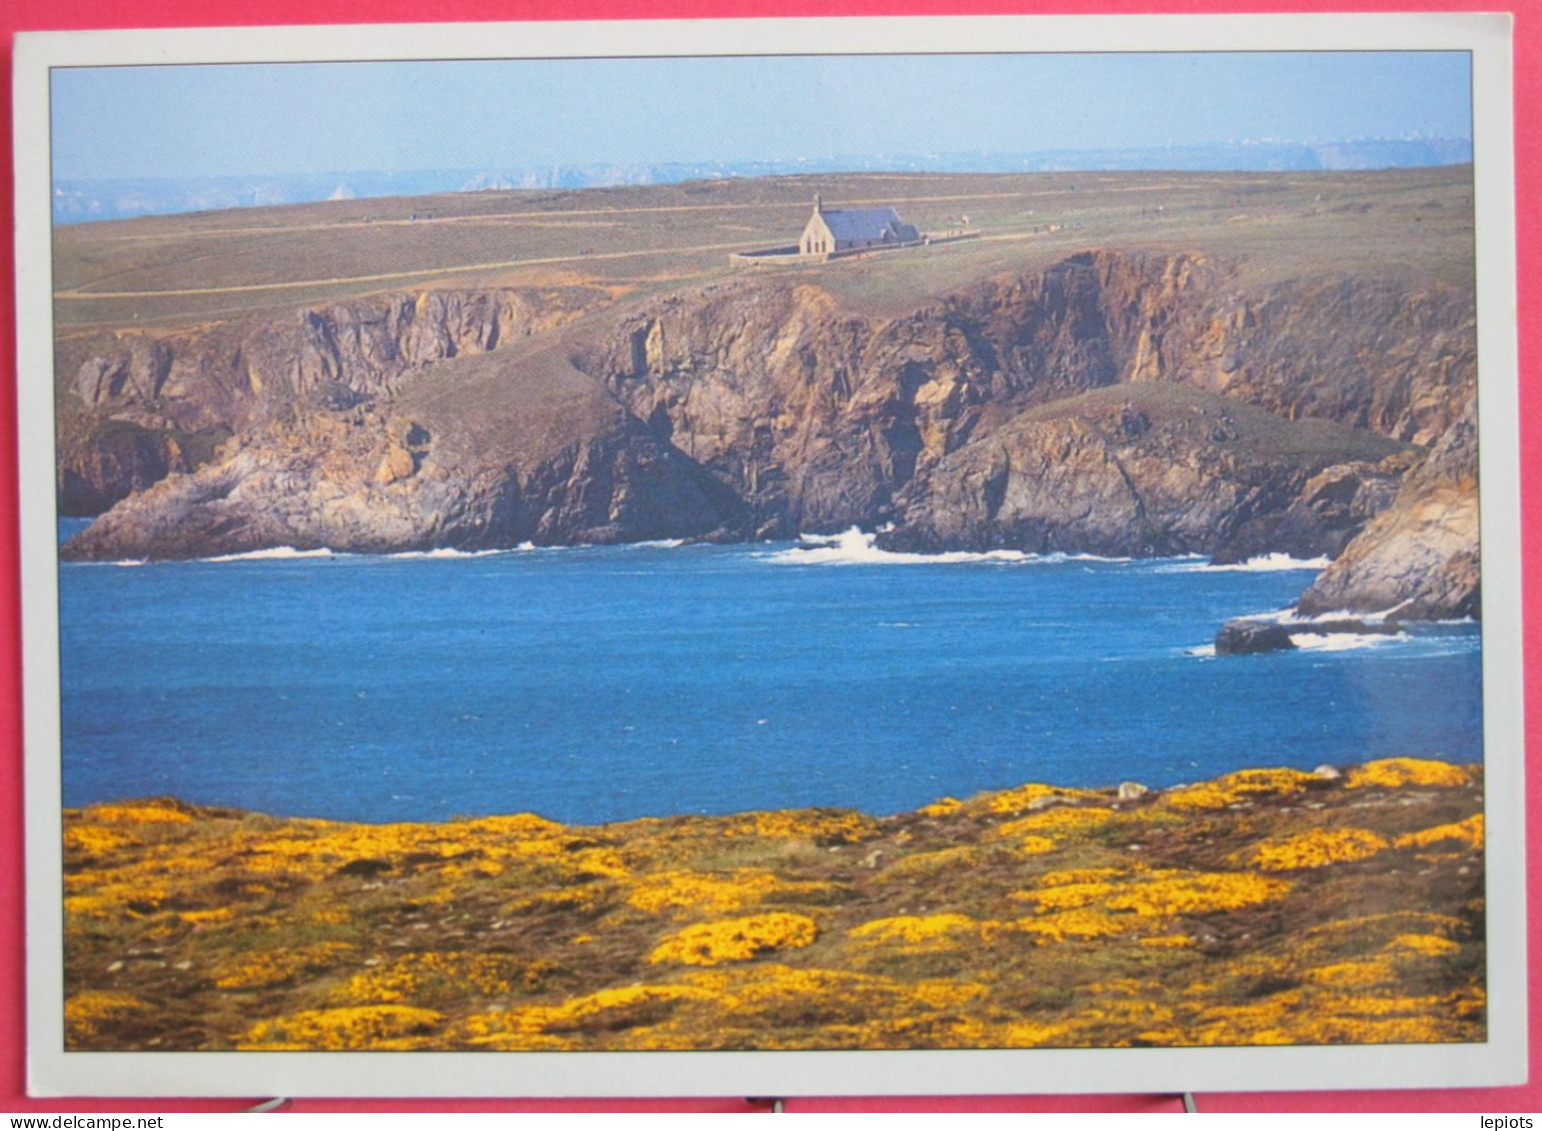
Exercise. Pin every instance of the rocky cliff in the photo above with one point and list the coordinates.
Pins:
(551, 460)
(1117, 402)
(136, 405)
(1421, 556)
(1150, 469)
(821, 418)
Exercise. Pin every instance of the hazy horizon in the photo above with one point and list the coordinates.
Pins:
(389, 118)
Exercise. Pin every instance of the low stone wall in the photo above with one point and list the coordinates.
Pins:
(951, 237)
(770, 256)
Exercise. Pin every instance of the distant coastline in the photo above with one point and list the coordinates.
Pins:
(82, 200)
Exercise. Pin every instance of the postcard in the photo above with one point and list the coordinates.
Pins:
(771, 557)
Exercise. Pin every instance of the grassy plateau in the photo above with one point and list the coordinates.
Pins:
(182, 271)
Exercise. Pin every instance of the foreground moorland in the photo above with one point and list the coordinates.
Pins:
(1265, 907)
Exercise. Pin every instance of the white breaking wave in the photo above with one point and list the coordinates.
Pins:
(1264, 563)
(1290, 616)
(1270, 563)
(442, 553)
(1344, 641)
(854, 547)
(1308, 641)
(273, 553)
(1323, 642)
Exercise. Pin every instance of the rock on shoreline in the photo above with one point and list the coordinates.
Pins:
(1244, 636)
(1422, 555)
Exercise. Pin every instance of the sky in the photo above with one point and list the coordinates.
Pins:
(296, 118)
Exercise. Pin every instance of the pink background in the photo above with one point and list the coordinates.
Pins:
(49, 15)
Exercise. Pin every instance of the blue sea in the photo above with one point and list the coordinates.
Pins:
(606, 683)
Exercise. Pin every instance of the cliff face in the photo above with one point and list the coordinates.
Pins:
(1115, 402)
(821, 417)
(931, 420)
(1421, 557)
(1151, 469)
(570, 467)
(106, 459)
(1371, 353)
(128, 400)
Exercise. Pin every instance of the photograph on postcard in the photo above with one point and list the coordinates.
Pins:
(907, 551)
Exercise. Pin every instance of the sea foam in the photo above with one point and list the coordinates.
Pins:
(1345, 641)
(442, 553)
(1264, 563)
(273, 553)
(1323, 642)
(855, 547)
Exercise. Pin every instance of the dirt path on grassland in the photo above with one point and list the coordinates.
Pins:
(393, 276)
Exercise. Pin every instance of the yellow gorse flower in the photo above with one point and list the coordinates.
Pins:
(1392, 773)
(736, 940)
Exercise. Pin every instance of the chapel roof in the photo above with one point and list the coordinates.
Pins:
(860, 223)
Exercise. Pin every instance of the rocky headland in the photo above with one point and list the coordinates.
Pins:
(1119, 399)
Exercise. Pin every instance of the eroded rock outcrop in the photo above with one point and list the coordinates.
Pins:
(551, 460)
(1144, 469)
(111, 459)
(236, 377)
(1369, 352)
(1420, 557)
(1250, 637)
(821, 417)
